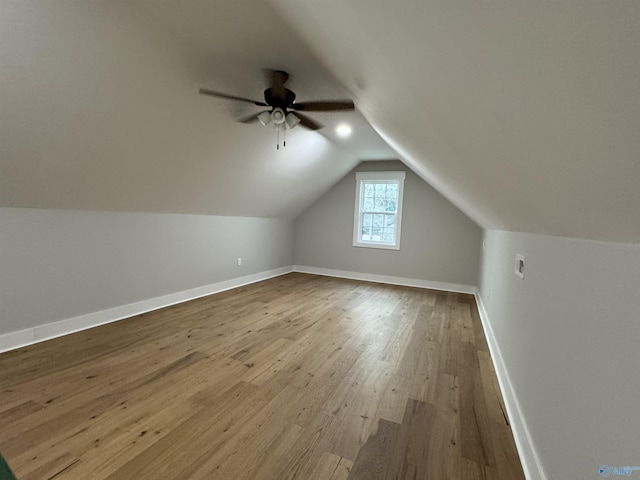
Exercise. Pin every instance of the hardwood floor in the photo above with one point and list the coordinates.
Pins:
(299, 376)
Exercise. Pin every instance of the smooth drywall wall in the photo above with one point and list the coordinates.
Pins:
(438, 242)
(58, 264)
(569, 336)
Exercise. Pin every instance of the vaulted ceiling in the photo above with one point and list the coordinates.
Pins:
(526, 115)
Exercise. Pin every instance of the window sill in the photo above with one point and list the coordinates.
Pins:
(383, 246)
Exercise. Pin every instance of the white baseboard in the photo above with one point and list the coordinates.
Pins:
(528, 455)
(372, 277)
(40, 333)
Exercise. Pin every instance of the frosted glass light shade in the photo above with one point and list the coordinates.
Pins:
(265, 118)
(292, 120)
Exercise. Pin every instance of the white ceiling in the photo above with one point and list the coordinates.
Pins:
(99, 110)
(526, 115)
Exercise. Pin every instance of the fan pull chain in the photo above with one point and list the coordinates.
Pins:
(284, 134)
(278, 138)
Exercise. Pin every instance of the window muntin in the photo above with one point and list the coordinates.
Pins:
(378, 210)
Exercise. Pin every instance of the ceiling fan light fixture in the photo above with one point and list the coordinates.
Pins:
(292, 120)
(278, 116)
(265, 118)
(343, 130)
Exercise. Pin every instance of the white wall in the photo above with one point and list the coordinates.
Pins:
(59, 264)
(569, 335)
(438, 242)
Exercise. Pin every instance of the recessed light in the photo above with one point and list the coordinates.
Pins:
(343, 130)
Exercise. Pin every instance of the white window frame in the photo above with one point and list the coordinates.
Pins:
(377, 177)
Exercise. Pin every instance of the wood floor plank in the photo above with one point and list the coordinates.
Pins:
(411, 454)
(376, 454)
(332, 467)
(445, 434)
(297, 377)
(303, 458)
(53, 468)
(495, 404)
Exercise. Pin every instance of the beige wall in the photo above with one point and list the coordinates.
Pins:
(569, 337)
(438, 242)
(58, 264)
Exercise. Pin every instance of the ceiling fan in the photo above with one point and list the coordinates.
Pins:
(284, 111)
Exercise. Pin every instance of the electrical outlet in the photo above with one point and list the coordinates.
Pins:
(239, 261)
(519, 266)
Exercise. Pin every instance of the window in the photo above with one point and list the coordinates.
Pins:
(378, 211)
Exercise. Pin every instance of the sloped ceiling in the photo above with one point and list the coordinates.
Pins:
(526, 115)
(100, 110)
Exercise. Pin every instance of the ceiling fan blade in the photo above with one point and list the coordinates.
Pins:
(212, 93)
(251, 118)
(308, 122)
(326, 106)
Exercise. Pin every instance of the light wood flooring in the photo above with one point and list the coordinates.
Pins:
(300, 376)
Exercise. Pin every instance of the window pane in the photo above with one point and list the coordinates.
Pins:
(392, 205)
(378, 220)
(368, 204)
(380, 204)
(389, 219)
(368, 219)
(392, 190)
(366, 233)
(368, 190)
(387, 237)
(380, 189)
